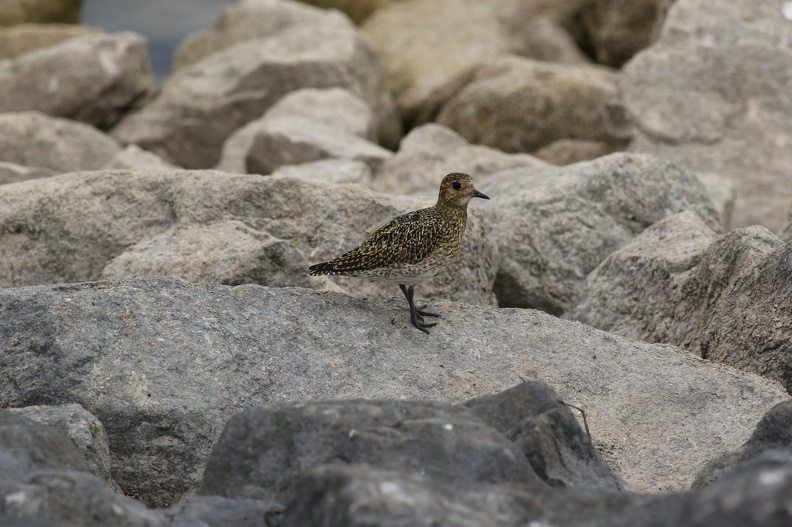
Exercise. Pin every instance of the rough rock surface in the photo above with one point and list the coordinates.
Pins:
(201, 105)
(124, 347)
(774, 431)
(93, 78)
(264, 451)
(520, 105)
(755, 496)
(708, 95)
(92, 218)
(228, 252)
(83, 429)
(62, 145)
(555, 225)
(725, 298)
(535, 419)
(431, 151)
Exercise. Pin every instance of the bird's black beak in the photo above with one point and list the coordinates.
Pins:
(477, 194)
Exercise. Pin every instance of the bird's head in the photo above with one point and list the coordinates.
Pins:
(457, 189)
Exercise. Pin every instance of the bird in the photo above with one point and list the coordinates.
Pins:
(413, 247)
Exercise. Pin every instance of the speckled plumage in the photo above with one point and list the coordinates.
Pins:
(412, 247)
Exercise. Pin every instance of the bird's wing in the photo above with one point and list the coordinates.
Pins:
(407, 239)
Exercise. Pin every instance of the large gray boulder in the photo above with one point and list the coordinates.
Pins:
(163, 364)
(520, 105)
(724, 298)
(202, 104)
(555, 225)
(264, 451)
(37, 140)
(709, 95)
(333, 496)
(94, 78)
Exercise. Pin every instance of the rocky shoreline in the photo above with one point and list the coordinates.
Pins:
(165, 359)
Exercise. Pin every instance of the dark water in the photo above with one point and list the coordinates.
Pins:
(163, 22)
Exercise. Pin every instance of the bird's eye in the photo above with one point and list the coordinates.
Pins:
(457, 185)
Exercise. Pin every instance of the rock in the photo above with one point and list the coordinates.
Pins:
(93, 79)
(242, 21)
(24, 38)
(13, 173)
(431, 151)
(706, 95)
(27, 446)
(264, 451)
(39, 11)
(357, 10)
(755, 494)
(216, 511)
(75, 497)
(428, 46)
(725, 298)
(336, 171)
(83, 429)
(569, 151)
(335, 496)
(304, 126)
(520, 105)
(123, 348)
(542, 37)
(618, 29)
(37, 140)
(533, 417)
(555, 225)
(132, 157)
(93, 218)
(319, 53)
(774, 431)
(227, 252)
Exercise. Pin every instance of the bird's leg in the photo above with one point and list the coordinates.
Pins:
(416, 316)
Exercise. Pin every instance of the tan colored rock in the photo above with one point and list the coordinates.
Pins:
(521, 105)
(24, 38)
(618, 29)
(39, 12)
(357, 10)
(569, 151)
(428, 46)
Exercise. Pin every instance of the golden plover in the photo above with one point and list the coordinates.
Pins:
(413, 247)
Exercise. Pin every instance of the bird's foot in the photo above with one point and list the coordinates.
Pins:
(421, 313)
(419, 323)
